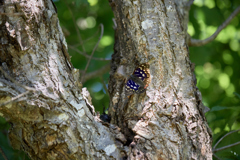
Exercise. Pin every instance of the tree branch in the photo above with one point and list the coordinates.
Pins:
(97, 73)
(12, 14)
(89, 60)
(225, 147)
(14, 99)
(214, 155)
(76, 28)
(3, 154)
(104, 85)
(224, 137)
(87, 56)
(14, 85)
(196, 42)
(20, 85)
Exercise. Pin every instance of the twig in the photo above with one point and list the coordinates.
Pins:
(88, 38)
(100, 37)
(104, 85)
(97, 73)
(94, 35)
(28, 89)
(76, 27)
(196, 42)
(14, 99)
(13, 85)
(225, 147)
(224, 137)
(87, 56)
(7, 76)
(3, 154)
(214, 155)
(12, 14)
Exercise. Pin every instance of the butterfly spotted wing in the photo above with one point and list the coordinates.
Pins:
(139, 80)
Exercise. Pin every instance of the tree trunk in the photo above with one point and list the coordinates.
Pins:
(167, 121)
(52, 117)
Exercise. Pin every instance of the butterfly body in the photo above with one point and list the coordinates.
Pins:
(139, 80)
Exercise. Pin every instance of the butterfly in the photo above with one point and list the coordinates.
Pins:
(138, 81)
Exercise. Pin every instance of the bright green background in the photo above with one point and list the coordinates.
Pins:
(217, 63)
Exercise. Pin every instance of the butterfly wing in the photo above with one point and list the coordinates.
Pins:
(138, 82)
(143, 73)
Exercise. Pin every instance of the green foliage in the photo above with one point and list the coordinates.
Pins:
(217, 69)
(217, 63)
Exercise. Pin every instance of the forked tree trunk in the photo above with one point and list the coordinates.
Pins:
(51, 116)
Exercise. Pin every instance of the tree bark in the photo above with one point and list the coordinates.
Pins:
(52, 117)
(167, 121)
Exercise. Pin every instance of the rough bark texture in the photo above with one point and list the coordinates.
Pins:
(167, 121)
(54, 119)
